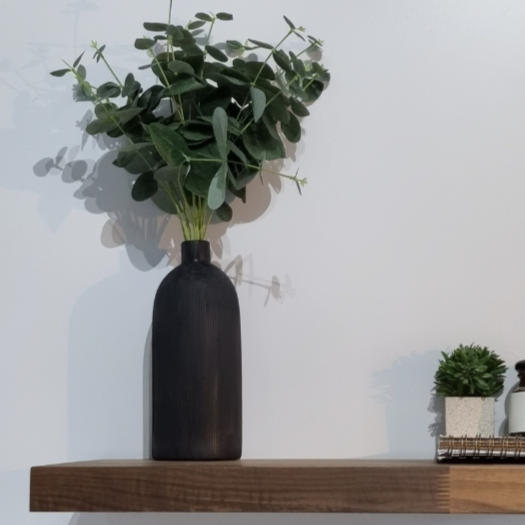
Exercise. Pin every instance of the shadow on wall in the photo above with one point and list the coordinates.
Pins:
(289, 519)
(414, 418)
(147, 233)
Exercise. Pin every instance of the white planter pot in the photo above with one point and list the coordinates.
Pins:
(469, 416)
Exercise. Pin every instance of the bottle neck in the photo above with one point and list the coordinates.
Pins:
(195, 251)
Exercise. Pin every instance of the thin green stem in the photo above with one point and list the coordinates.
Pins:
(111, 71)
(262, 68)
(169, 14)
(252, 166)
(306, 49)
(209, 32)
(181, 109)
(172, 98)
(183, 214)
(270, 55)
(310, 83)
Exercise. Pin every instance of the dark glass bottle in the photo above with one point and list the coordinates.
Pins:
(196, 362)
(517, 404)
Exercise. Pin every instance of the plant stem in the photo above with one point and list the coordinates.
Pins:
(111, 70)
(169, 14)
(209, 32)
(252, 166)
(184, 215)
(172, 97)
(306, 49)
(270, 55)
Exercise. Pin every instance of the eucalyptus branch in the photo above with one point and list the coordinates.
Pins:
(171, 144)
(209, 32)
(100, 53)
(172, 97)
(275, 48)
(169, 14)
(302, 182)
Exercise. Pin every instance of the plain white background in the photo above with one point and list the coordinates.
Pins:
(409, 239)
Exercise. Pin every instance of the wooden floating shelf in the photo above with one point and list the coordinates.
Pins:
(347, 486)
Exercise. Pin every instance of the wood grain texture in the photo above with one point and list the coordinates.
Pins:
(487, 489)
(242, 486)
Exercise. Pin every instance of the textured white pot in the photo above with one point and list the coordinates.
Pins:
(469, 416)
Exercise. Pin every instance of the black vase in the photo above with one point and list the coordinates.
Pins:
(196, 362)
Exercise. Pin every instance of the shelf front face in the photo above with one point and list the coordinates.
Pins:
(240, 486)
(347, 486)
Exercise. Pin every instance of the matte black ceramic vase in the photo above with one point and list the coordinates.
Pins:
(196, 362)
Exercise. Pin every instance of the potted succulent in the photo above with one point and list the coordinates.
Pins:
(470, 378)
(193, 141)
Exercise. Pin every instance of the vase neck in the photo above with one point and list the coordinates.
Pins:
(195, 251)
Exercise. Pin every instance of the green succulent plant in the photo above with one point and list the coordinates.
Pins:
(213, 116)
(470, 371)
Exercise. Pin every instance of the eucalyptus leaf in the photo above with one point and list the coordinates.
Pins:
(235, 149)
(100, 126)
(299, 108)
(260, 143)
(201, 174)
(163, 201)
(258, 103)
(135, 153)
(289, 22)
(298, 65)
(104, 110)
(196, 135)
(259, 69)
(145, 187)
(245, 177)
(278, 110)
(217, 192)
(126, 114)
(176, 33)
(235, 44)
(220, 130)
(282, 60)
(81, 72)
(271, 125)
(258, 43)
(59, 72)
(236, 77)
(196, 24)
(184, 83)
(224, 212)
(144, 43)
(292, 129)
(179, 66)
(170, 145)
(109, 90)
(77, 61)
(314, 90)
(155, 26)
(204, 16)
(322, 74)
(174, 175)
(216, 53)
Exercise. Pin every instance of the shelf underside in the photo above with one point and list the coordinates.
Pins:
(346, 486)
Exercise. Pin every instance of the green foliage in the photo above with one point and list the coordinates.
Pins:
(470, 371)
(229, 113)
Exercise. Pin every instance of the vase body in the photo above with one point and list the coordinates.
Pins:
(196, 362)
(469, 416)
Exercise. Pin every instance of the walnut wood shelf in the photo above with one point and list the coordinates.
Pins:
(279, 486)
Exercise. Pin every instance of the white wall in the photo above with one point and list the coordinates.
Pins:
(409, 239)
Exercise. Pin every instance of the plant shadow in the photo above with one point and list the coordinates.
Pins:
(414, 417)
